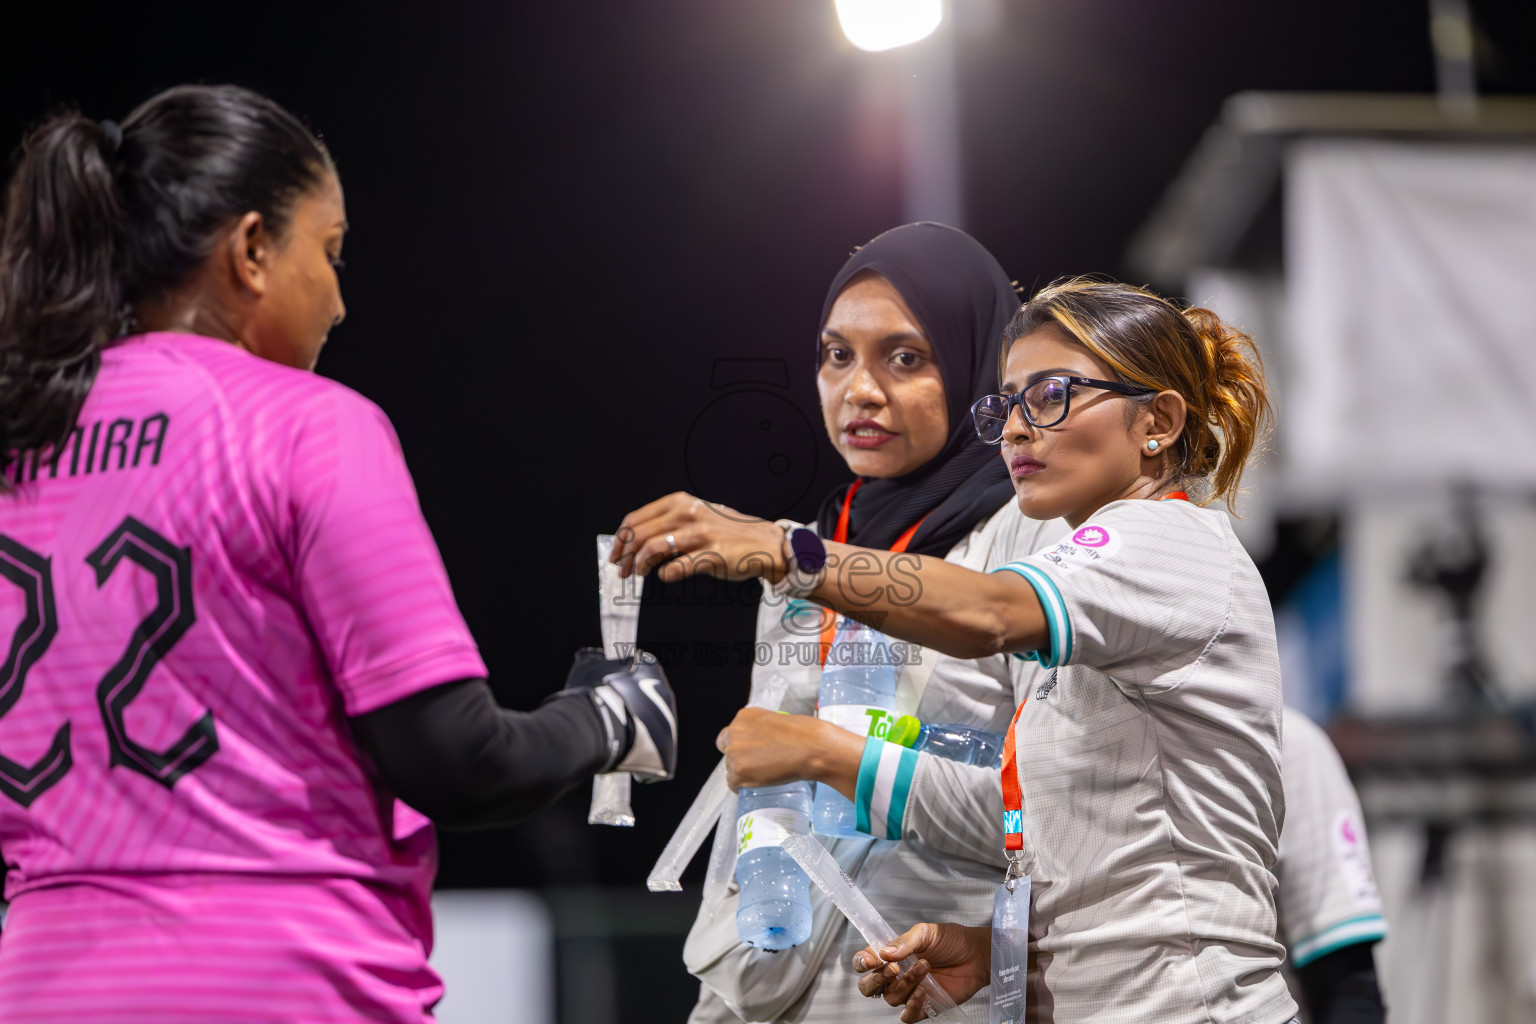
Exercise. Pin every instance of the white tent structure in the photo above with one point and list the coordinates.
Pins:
(1382, 248)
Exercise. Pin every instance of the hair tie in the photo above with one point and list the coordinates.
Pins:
(111, 139)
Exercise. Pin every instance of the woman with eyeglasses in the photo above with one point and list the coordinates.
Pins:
(908, 341)
(1142, 784)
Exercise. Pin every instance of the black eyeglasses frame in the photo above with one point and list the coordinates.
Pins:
(1068, 382)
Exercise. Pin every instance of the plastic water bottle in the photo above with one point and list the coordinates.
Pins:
(858, 692)
(775, 910)
(964, 743)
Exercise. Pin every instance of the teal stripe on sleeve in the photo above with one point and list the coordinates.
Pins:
(864, 789)
(1056, 619)
(905, 769)
(1365, 928)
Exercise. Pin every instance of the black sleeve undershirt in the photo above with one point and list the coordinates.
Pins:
(457, 757)
(1341, 987)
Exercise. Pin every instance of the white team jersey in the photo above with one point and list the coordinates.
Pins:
(944, 859)
(1328, 897)
(1149, 762)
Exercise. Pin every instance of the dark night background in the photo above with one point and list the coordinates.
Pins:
(565, 214)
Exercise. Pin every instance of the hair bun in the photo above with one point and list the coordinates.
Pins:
(1236, 396)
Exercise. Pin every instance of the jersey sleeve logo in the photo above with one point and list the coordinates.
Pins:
(1353, 858)
(1091, 537)
(1088, 546)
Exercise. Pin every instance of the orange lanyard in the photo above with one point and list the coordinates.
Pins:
(840, 535)
(1013, 796)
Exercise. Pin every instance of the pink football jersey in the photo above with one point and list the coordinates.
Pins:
(225, 561)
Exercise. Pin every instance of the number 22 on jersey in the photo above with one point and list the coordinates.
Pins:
(156, 634)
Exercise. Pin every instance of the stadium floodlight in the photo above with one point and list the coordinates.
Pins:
(876, 25)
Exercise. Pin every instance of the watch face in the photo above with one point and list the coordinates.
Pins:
(810, 553)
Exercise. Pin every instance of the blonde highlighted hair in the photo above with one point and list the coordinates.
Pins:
(1147, 340)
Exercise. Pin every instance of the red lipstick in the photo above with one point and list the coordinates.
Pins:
(866, 434)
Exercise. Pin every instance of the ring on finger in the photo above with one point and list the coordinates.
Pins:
(672, 545)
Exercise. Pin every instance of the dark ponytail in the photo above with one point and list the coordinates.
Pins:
(61, 295)
(98, 219)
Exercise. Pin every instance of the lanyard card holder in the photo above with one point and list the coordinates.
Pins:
(1010, 909)
(618, 603)
(1010, 944)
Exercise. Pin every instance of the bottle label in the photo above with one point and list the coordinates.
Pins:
(768, 826)
(863, 719)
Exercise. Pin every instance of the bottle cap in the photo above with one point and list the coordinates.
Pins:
(905, 731)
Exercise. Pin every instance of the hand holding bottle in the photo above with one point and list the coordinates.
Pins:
(764, 748)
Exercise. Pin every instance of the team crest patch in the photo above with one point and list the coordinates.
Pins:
(1353, 860)
(1089, 545)
(1091, 536)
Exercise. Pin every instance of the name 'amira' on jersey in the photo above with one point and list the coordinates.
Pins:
(121, 444)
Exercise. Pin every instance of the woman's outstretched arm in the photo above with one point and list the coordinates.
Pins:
(926, 600)
(453, 754)
(456, 756)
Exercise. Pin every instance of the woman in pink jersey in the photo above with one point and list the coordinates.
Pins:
(237, 685)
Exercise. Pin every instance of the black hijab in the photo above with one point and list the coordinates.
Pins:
(962, 301)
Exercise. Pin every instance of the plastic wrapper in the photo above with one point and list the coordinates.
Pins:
(722, 854)
(610, 800)
(705, 814)
(824, 872)
(619, 613)
(685, 842)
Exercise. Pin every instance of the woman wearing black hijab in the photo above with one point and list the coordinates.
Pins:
(908, 340)
(960, 297)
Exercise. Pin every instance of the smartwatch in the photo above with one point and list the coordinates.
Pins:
(805, 558)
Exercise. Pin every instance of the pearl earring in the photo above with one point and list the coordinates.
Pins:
(1152, 445)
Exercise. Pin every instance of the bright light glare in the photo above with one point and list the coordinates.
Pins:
(876, 25)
